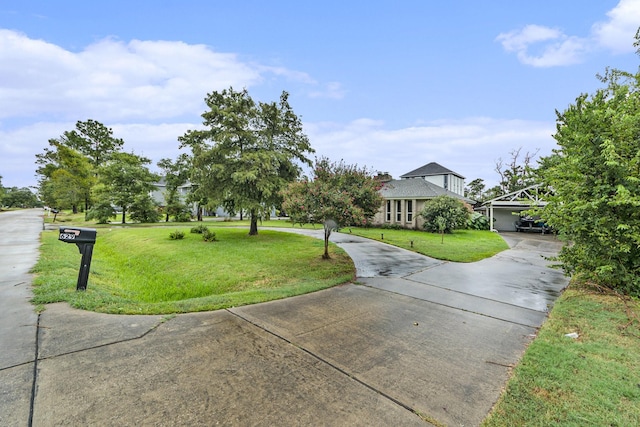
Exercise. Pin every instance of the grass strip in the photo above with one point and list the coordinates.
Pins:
(593, 380)
(459, 246)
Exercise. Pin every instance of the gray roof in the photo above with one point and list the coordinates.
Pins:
(415, 188)
(430, 169)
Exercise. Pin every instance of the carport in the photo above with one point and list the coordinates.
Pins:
(504, 211)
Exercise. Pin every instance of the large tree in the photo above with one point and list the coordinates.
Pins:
(68, 168)
(20, 198)
(94, 140)
(594, 183)
(66, 176)
(248, 152)
(516, 173)
(338, 195)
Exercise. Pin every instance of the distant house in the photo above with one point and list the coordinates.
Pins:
(404, 198)
(158, 194)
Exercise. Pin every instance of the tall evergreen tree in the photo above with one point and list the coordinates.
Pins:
(248, 152)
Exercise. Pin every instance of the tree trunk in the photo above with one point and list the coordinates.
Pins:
(253, 229)
(123, 213)
(199, 213)
(326, 247)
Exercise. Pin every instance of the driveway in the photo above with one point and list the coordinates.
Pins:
(415, 340)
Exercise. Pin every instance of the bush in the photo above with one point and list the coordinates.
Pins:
(176, 235)
(183, 216)
(444, 214)
(199, 229)
(478, 222)
(144, 209)
(209, 236)
(101, 212)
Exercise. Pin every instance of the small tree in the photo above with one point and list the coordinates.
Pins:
(444, 214)
(144, 209)
(126, 178)
(340, 195)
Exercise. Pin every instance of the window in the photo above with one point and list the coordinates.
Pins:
(399, 210)
(388, 210)
(409, 210)
(446, 182)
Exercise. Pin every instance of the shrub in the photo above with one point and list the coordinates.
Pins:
(444, 214)
(144, 209)
(209, 236)
(478, 222)
(199, 229)
(183, 216)
(176, 235)
(102, 211)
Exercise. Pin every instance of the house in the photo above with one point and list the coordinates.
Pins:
(158, 194)
(404, 198)
(504, 212)
(438, 175)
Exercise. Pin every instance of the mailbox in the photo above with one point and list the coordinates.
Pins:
(77, 235)
(84, 238)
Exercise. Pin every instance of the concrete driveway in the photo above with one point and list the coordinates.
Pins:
(415, 340)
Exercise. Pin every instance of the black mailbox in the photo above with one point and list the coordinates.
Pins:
(84, 238)
(77, 235)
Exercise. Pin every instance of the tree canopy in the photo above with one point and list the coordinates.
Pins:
(127, 184)
(248, 152)
(594, 183)
(338, 195)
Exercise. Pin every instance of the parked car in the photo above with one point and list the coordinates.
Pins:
(532, 224)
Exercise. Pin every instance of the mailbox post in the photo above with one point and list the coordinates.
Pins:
(84, 238)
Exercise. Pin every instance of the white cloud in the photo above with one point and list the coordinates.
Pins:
(112, 80)
(554, 48)
(469, 146)
(616, 34)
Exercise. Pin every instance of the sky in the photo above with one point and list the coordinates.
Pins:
(387, 85)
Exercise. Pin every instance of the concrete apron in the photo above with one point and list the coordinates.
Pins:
(425, 341)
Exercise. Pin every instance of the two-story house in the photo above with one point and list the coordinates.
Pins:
(404, 198)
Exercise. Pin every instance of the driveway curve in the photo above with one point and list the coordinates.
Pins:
(415, 341)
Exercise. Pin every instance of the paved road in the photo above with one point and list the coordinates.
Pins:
(416, 339)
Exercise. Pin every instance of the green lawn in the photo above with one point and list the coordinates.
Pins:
(590, 381)
(460, 246)
(141, 270)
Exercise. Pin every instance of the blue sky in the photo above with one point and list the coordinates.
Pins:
(391, 86)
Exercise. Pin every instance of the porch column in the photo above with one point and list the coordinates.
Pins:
(491, 217)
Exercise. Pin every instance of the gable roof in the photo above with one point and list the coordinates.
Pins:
(529, 196)
(430, 169)
(415, 189)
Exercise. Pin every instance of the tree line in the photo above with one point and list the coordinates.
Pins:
(243, 160)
